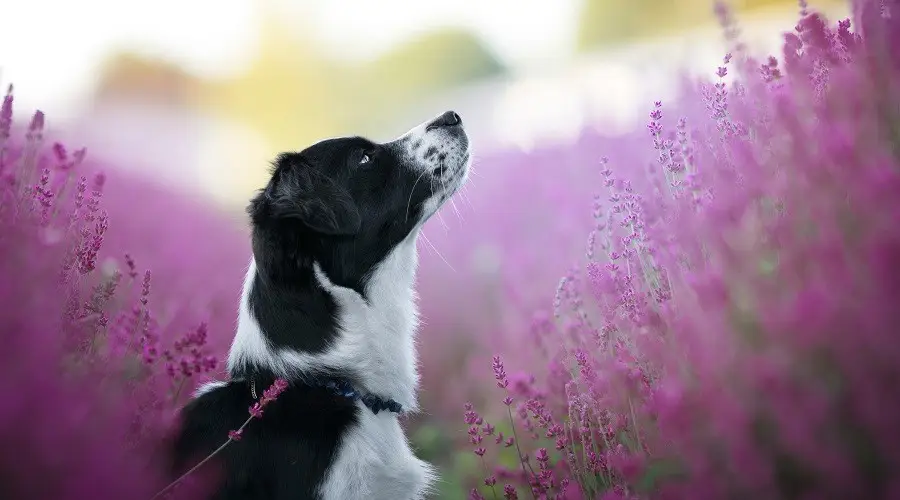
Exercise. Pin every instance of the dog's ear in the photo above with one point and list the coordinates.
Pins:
(302, 193)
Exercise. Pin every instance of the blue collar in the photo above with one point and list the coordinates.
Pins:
(343, 388)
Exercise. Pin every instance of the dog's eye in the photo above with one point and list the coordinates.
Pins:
(367, 157)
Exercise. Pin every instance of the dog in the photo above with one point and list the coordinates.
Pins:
(328, 304)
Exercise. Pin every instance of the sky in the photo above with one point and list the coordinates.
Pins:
(522, 32)
(51, 49)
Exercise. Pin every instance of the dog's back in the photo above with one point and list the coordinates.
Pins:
(284, 455)
(309, 444)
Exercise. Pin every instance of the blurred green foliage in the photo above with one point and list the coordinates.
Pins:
(433, 444)
(606, 22)
(432, 62)
(437, 59)
(292, 94)
(446, 446)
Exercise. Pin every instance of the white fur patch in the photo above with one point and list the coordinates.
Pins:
(208, 387)
(249, 344)
(376, 339)
(374, 462)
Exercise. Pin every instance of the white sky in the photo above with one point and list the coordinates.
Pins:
(520, 31)
(50, 49)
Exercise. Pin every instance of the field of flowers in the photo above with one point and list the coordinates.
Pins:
(724, 326)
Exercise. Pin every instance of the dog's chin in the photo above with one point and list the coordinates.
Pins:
(438, 152)
(449, 166)
(453, 180)
(444, 189)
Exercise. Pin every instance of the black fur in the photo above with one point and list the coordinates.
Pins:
(282, 456)
(323, 205)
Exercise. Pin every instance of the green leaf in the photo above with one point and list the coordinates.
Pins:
(656, 472)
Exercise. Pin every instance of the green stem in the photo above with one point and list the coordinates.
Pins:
(484, 464)
(637, 432)
(60, 196)
(178, 390)
(512, 424)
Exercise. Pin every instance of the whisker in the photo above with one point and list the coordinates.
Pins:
(464, 193)
(411, 192)
(443, 183)
(443, 222)
(436, 252)
(455, 209)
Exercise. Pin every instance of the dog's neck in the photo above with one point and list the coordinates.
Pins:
(376, 341)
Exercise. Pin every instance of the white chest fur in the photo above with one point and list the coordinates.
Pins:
(376, 338)
(374, 461)
(377, 341)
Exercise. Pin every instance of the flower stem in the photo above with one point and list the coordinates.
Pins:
(484, 464)
(194, 468)
(178, 391)
(519, 451)
(637, 431)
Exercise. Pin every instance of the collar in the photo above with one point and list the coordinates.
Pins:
(342, 387)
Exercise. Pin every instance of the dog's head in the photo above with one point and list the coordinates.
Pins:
(345, 203)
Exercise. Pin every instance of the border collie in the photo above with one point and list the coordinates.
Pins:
(328, 304)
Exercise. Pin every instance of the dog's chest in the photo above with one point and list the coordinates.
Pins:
(374, 461)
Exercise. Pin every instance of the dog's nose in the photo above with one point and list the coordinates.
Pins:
(448, 119)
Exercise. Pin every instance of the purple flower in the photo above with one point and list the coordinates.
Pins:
(499, 373)
(6, 111)
(79, 326)
(713, 344)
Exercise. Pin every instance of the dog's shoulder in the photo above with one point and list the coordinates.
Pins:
(215, 406)
(204, 422)
(283, 454)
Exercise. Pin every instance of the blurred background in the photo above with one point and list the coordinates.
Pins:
(219, 86)
(195, 97)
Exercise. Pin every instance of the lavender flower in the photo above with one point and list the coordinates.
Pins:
(81, 331)
(747, 319)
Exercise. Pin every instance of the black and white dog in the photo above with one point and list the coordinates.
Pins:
(329, 304)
